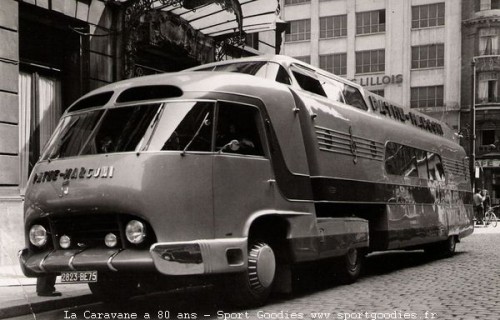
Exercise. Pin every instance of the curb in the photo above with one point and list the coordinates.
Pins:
(24, 308)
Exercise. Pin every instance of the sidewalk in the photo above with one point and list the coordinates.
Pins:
(18, 293)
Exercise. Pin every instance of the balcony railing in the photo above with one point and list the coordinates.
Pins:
(486, 100)
(489, 52)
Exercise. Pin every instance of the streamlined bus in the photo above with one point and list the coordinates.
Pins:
(235, 177)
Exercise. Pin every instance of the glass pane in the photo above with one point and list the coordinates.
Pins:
(73, 132)
(238, 130)
(193, 133)
(124, 129)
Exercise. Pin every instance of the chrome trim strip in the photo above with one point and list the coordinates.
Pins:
(110, 264)
(40, 265)
(70, 262)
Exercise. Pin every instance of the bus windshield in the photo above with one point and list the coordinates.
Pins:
(158, 126)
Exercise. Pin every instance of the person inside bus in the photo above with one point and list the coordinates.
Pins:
(478, 199)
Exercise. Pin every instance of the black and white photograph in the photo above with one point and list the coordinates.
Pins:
(249, 159)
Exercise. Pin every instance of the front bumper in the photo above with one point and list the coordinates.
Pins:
(169, 258)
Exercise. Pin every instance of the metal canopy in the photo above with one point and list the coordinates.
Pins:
(213, 20)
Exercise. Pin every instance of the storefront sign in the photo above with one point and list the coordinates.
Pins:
(379, 80)
(488, 163)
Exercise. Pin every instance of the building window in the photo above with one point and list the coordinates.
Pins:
(305, 59)
(289, 2)
(429, 15)
(370, 61)
(334, 63)
(489, 4)
(380, 92)
(334, 26)
(487, 88)
(370, 22)
(488, 41)
(427, 56)
(488, 137)
(427, 97)
(252, 40)
(300, 30)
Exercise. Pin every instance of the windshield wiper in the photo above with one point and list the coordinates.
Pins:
(195, 135)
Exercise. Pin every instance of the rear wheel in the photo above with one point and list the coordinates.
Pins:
(444, 248)
(490, 219)
(350, 266)
(253, 287)
(493, 220)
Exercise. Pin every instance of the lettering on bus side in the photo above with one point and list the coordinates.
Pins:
(397, 113)
(74, 173)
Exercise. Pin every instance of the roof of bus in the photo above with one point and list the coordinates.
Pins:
(287, 61)
(281, 59)
(238, 83)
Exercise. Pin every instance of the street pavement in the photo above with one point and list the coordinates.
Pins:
(397, 285)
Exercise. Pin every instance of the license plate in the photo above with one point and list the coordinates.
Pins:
(79, 276)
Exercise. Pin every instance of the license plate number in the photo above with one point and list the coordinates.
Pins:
(79, 276)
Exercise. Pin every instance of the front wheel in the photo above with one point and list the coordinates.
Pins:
(253, 287)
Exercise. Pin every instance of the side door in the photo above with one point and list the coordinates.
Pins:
(243, 178)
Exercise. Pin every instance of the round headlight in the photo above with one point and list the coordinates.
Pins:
(110, 240)
(38, 235)
(135, 231)
(65, 242)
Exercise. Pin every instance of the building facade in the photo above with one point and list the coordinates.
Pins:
(480, 90)
(53, 52)
(407, 51)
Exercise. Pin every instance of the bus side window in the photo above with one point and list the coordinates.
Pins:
(283, 77)
(333, 89)
(400, 160)
(436, 171)
(421, 157)
(354, 98)
(309, 84)
(238, 123)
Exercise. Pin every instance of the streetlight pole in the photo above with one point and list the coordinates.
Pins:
(473, 127)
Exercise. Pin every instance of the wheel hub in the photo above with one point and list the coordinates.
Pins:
(261, 266)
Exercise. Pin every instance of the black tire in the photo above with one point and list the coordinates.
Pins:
(350, 265)
(114, 289)
(444, 248)
(253, 287)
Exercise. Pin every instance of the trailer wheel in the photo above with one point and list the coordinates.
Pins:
(114, 289)
(253, 287)
(350, 265)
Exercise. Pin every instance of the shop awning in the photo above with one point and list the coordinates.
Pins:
(216, 18)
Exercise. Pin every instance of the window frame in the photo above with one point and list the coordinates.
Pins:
(421, 56)
(438, 96)
(421, 23)
(296, 36)
(329, 59)
(362, 56)
(260, 125)
(365, 23)
(330, 21)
